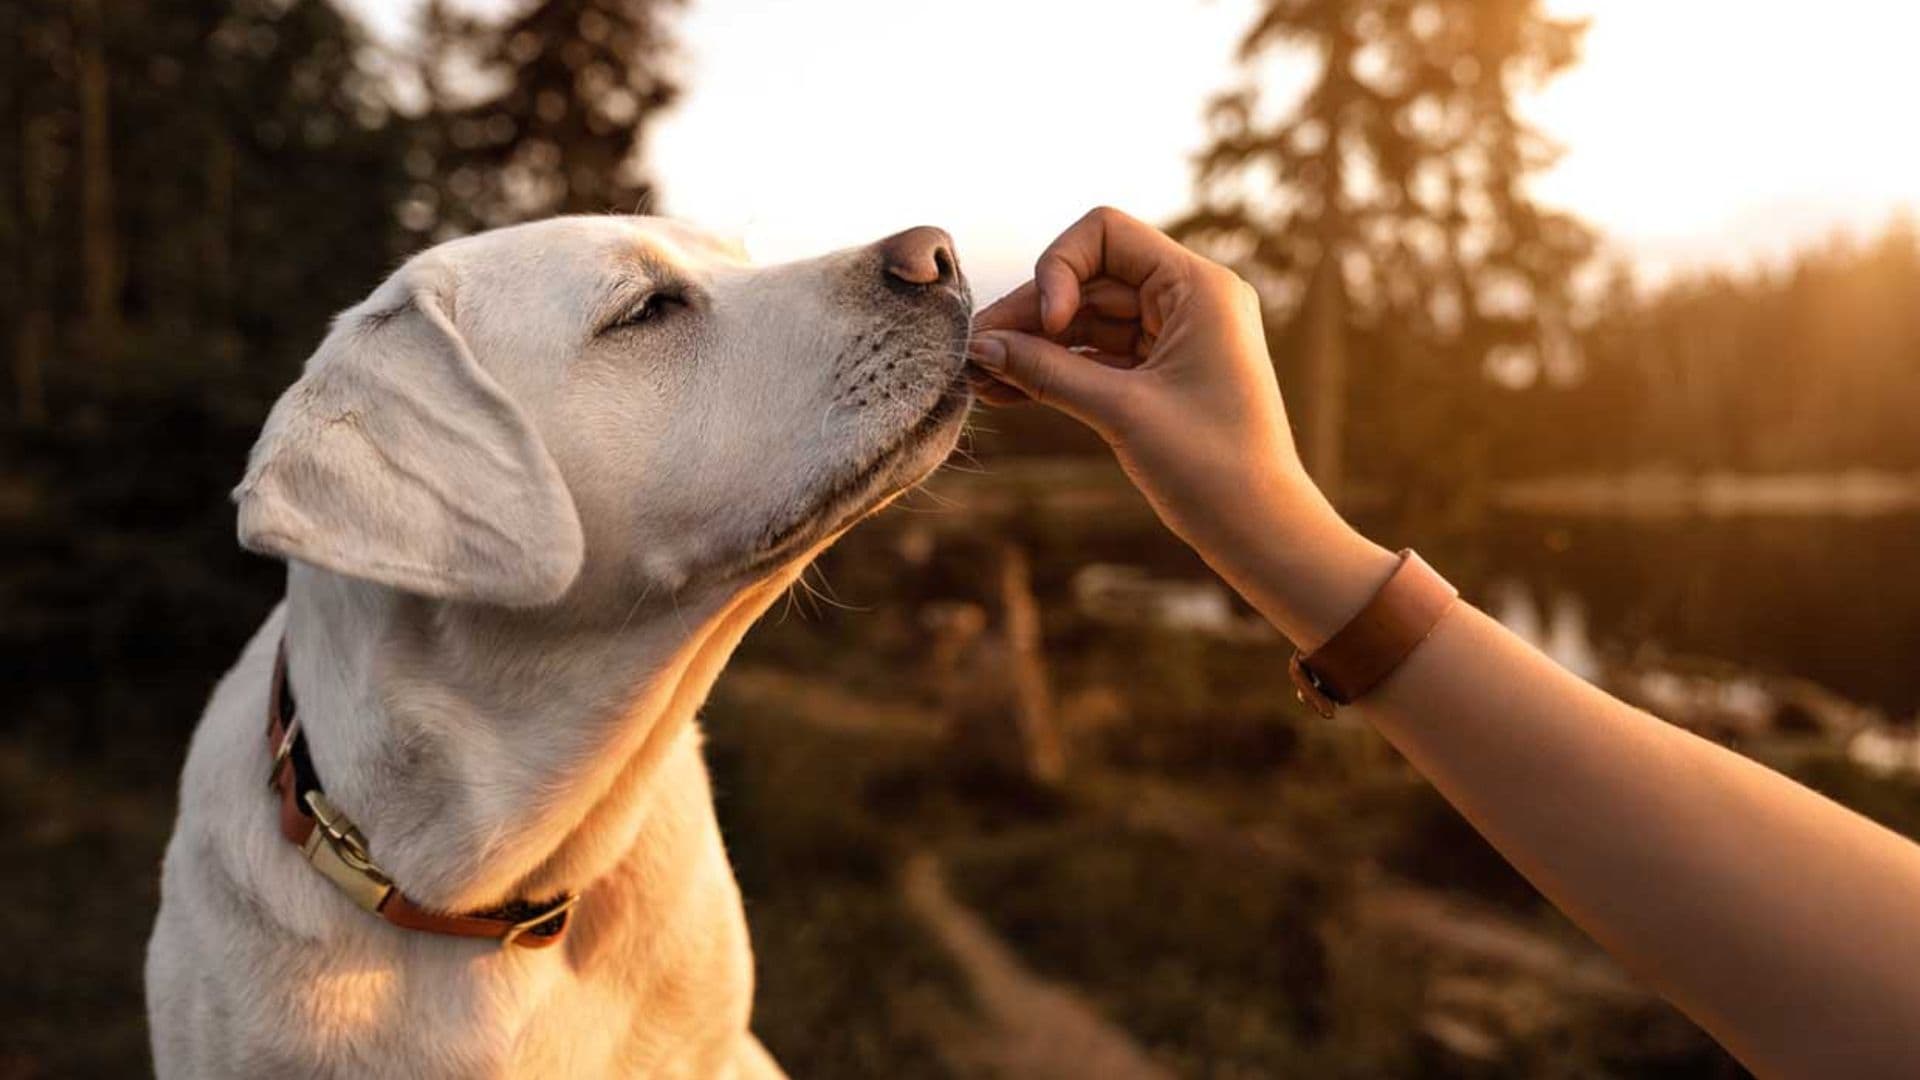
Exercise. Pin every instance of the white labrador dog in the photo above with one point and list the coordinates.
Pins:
(531, 493)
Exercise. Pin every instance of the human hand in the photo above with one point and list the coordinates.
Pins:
(1162, 352)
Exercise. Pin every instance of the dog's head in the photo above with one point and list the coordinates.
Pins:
(609, 404)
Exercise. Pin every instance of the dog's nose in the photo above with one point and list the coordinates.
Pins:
(920, 256)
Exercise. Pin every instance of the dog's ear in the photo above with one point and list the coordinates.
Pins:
(396, 459)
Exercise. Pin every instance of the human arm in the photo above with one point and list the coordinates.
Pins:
(1786, 925)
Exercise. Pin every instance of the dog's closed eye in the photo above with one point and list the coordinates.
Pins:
(651, 308)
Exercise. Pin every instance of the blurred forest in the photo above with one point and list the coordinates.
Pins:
(189, 190)
(1439, 331)
(1385, 216)
(1812, 366)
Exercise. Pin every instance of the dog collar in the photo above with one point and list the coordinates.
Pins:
(335, 847)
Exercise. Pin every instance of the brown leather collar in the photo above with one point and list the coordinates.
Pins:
(1361, 654)
(335, 847)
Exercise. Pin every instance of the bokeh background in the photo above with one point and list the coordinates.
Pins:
(1612, 309)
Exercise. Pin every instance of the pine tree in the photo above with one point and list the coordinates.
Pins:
(1385, 215)
(32, 48)
(566, 91)
(99, 231)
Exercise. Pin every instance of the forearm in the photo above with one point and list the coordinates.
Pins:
(1785, 924)
(1789, 927)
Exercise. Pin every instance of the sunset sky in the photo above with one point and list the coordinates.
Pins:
(1697, 131)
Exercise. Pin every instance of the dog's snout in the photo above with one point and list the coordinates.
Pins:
(920, 256)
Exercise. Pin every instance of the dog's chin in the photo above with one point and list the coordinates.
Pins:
(914, 454)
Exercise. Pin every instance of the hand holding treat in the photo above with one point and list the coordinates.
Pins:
(1163, 353)
(1640, 831)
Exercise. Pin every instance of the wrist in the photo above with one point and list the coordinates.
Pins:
(1298, 562)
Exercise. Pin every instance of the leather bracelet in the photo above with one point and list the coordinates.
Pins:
(1361, 654)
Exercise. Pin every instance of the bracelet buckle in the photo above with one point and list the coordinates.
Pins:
(1307, 688)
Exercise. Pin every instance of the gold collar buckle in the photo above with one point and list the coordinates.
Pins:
(337, 849)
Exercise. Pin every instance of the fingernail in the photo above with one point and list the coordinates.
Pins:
(1046, 307)
(988, 353)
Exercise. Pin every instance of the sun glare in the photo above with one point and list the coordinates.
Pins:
(1696, 131)
(1726, 130)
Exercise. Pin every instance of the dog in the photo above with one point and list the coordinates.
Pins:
(531, 493)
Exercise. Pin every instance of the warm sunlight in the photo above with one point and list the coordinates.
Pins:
(1428, 592)
(1698, 132)
(1720, 129)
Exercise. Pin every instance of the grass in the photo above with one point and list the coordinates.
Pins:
(82, 849)
(1216, 967)
(848, 983)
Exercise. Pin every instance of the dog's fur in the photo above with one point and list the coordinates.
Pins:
(523, 536)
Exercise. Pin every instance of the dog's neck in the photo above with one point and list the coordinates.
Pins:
(492, 755)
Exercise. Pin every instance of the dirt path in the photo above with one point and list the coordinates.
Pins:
(1027, 1027)
(1034, 1028)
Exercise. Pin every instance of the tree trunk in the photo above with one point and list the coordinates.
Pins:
(33, 333)
(216, 251)
(99, 247)
(1323, 418)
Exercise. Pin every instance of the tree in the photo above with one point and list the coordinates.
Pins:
(1385, 215)
(99, 235)
(543, 114)
(33, 49)
(194, 187)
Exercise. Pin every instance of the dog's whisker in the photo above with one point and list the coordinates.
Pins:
(942, 502)
(827, 597)
(637, 601)
(971, 468)
(826, 585)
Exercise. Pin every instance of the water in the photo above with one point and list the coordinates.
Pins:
(1834, 599)
(1831, 599)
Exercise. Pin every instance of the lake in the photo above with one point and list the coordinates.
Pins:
(1834, 598)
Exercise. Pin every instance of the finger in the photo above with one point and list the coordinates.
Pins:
(1105, 242)
(992, 390)
(999, 394)
(1110, 297)
(1020, 309)
(1120, 337)
(1081, 386)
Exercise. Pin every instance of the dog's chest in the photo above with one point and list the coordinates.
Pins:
(618, 1000)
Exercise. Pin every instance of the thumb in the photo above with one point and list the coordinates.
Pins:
(1080, 386)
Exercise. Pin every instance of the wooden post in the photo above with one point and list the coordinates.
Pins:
(1323, 419)
(1043, 759)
